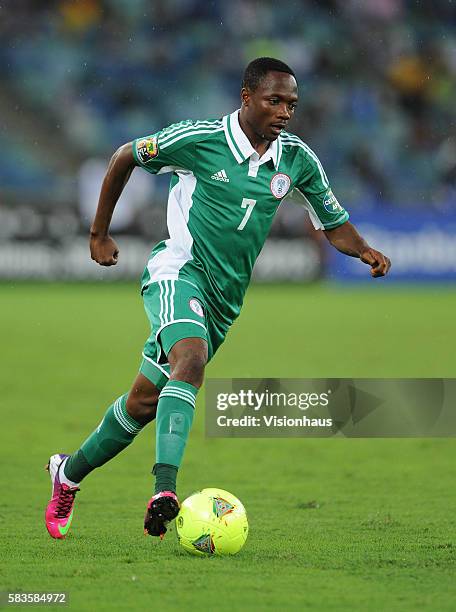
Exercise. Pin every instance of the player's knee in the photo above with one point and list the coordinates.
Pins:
(189, 367)
(142, 408)
(187, 359)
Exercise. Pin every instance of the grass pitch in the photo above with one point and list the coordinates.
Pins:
(335, 524)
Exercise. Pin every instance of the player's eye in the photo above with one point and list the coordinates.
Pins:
(292, 107)
(274, 101)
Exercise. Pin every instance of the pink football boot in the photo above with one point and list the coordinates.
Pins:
(59, 511)
(161, 509)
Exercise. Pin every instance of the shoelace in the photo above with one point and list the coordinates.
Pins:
(66, 498)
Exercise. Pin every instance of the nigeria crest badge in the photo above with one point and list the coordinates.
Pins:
(280, 184)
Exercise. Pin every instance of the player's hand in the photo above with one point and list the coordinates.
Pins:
(379, 263)
(104, 250)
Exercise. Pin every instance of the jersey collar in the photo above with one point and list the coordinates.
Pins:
(240, 145)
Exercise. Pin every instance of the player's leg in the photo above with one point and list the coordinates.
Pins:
(175, 410)
(187, 358)
(121, 423)
(123, 420)
(176, 310)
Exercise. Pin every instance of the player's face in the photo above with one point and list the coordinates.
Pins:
(270, 107)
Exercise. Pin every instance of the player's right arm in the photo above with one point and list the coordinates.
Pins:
(103, 249)
(169, 150)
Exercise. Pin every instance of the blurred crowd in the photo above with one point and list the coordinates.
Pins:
(377, 85)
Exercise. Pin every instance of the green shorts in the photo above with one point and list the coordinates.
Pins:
(176, 310)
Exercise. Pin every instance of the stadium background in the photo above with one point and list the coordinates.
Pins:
(79, 78)
(335, 524)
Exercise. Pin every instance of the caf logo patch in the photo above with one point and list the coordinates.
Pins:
(280, 184)
(147, 149)
(330, 203)
(196, 307)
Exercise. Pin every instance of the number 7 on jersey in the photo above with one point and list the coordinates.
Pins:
(248, 204)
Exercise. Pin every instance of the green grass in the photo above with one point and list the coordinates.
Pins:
(335, 524)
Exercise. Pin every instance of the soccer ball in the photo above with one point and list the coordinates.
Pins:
(212, 522)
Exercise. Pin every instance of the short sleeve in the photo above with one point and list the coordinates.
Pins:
(317, 197)
(166, 151)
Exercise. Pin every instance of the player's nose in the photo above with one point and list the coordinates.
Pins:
(283, 113)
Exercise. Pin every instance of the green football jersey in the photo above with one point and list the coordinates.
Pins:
(222, 201)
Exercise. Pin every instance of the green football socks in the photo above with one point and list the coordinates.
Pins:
(175, 411)
(116, 431)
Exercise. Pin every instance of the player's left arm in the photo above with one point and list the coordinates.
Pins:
(346, 239)
(328, 215)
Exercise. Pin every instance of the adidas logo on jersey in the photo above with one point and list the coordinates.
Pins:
(220, 176)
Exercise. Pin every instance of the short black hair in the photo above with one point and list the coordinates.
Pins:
(258, 69)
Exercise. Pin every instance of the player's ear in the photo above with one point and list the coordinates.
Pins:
(245, 96)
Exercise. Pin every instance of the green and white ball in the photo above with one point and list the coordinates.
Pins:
(212, 522)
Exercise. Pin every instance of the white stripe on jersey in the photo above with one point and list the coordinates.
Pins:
(197, 125)
(311, 210)
(178, 250)
(294, 141)
(192, 133)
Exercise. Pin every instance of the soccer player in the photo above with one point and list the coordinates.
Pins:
(228, 178)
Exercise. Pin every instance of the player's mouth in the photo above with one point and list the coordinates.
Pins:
(276, 128)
